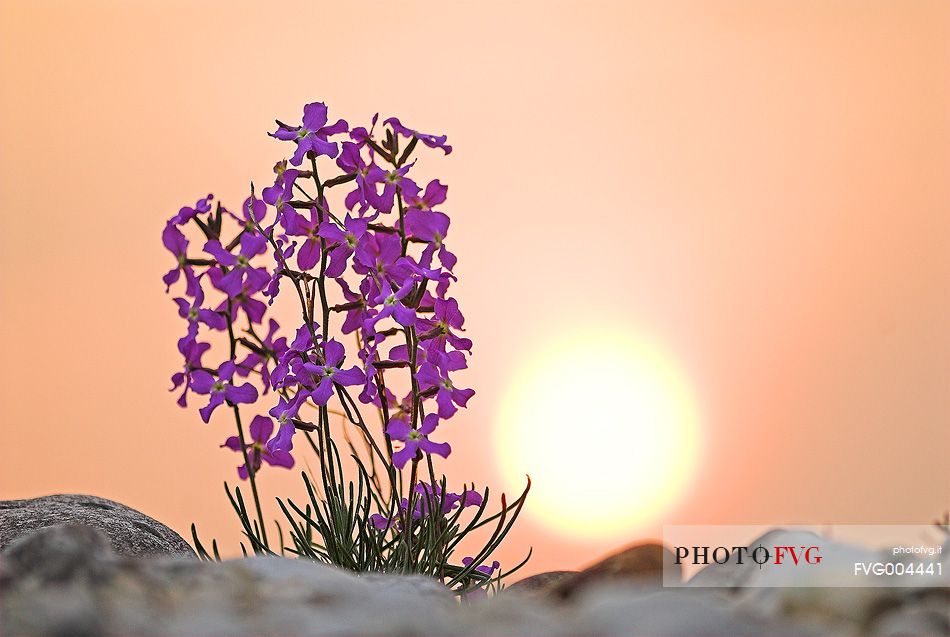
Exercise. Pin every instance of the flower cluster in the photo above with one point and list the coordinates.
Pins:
(368, 265)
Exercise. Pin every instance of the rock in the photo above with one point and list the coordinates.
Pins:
(515, 615)
(129, 532)
(542, 583)
(67, 580)
(623, 610)
(836, 568)
(821, 597)
(641, 564)
(56, 568)
(929, 615)
(56, 554)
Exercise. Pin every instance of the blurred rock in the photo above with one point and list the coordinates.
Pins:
(542, 583)
(623, 610)
(930, 615)
(67, 580)
(731, 574)
(129, 532)
(57, 553)
(641, 564)
(825, 597)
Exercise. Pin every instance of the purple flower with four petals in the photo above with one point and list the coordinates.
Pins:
(345, 241)
(434, 373)
(415, 440)
(221, 389)
(312, 136)
(262, 448)
(192, 352)
(320, 379)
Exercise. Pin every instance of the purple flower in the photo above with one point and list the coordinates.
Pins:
(305, 339)
(221, 389)
(434, 195)
(381, 522)
(186, 214)
(240, 294)
(432, 141)
(449, 501)
(485, 570)
(393, 181)
(415, 440)
(446, 317)
(269, 348)
(320, 379)
(262, 448)
(345, 241)
(303, 342)
(381, 254)
(356, 315)
(253, 210)
(192, 350)
(435, 373)
(371, 391)
(351, 161)
(176, 243)
(195, 314)
(252, 244)
(286, 410)
(312, 136)
(467, 498)
(281, 255)
(430, 227)
(299, 226)
(360, 135)
(427, 273)
(282, 192)
(427, 494)
(393, 306)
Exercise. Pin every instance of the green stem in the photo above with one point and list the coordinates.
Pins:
(324, 305)
(240, 429)
(251, 473)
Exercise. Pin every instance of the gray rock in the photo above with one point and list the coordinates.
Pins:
(625, 610)
(826, 597)
(514, 615)
(57, 569)
(58, 553)
(129, 532)
(67, 581)
(930, 615)
(645, 564)
(541, 583)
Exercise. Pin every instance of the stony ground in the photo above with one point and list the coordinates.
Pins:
(68, 579)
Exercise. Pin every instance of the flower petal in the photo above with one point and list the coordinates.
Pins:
(261, 428)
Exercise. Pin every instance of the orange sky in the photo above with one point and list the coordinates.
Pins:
(761, 186)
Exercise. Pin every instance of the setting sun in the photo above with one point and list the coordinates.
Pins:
(606, 425)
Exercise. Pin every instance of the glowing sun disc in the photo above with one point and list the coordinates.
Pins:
(606, 425)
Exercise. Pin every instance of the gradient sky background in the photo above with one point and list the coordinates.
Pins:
(761, 187)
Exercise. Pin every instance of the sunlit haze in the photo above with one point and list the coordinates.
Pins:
(607, 426)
